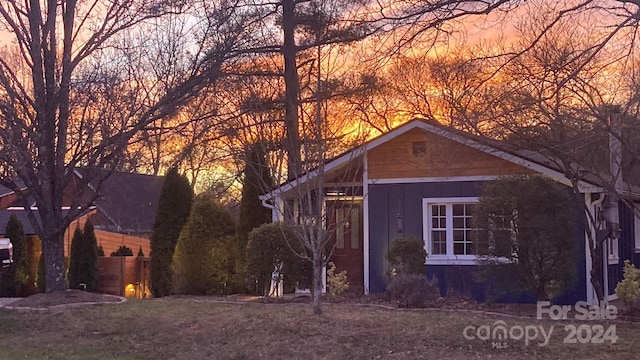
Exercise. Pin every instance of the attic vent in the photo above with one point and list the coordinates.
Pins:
(419, 148)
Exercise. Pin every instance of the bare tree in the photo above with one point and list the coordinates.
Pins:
(67, 100)
(560, 106)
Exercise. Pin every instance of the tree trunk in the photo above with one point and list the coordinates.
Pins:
(53, 248)
(317, 286)
(292, 90)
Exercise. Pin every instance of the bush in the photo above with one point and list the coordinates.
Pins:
(628, 290)
(269, 253)
(500, 279)
(123, 250)
(83, 259)
(41, 276)
(140, 252)
(6, 284)
(201, 261)
(17, 278)
(411, 290)
(407, 255)
(337, 283)
(100, 251)
(408, 285)
(527, 222)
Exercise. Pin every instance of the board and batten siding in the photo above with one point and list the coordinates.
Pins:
(396, 210)
(626, 248)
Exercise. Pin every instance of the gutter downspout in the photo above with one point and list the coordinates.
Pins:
(270, 205)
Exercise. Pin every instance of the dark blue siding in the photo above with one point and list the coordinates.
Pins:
(579, 290)
(396, 210)
(378, 239)
(626, 247)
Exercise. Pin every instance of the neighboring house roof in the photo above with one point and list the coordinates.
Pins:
(525, 158)
(22, 217)
(129, 201)
(5, 191)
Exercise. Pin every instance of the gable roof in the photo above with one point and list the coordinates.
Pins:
(5, 191)
(128, 200)
(21, 214)
(525, 158)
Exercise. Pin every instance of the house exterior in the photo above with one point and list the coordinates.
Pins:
(122, 214)
(418, 178)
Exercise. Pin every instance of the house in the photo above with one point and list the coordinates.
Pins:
(401, 182)
(122, 214)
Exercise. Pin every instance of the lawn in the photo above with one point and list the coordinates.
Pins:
(188, 329)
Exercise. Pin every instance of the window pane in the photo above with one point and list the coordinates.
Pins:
(439, 242)
(458, 223)
(339, 228)
(458, 209)
(458, 248)
(472, 235)
(458, 235)
(355, 229)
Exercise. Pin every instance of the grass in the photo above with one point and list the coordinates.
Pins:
(187, 329)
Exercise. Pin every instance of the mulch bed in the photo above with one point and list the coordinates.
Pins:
(64, 297)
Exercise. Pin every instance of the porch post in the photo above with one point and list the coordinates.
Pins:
(587, 247)
(365, 220)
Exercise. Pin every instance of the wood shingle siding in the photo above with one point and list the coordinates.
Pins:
(442, 158)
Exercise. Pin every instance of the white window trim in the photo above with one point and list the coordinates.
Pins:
(449, 258)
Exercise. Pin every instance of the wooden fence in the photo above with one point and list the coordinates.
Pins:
(109, 241)
(126, 276)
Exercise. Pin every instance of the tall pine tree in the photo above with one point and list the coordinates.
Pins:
(174, 206)
(257, 180)
(83, 259)
(18, 276)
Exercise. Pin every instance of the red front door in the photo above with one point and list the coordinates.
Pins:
(344, 221)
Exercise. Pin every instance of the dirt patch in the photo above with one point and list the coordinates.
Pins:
(45, 300)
